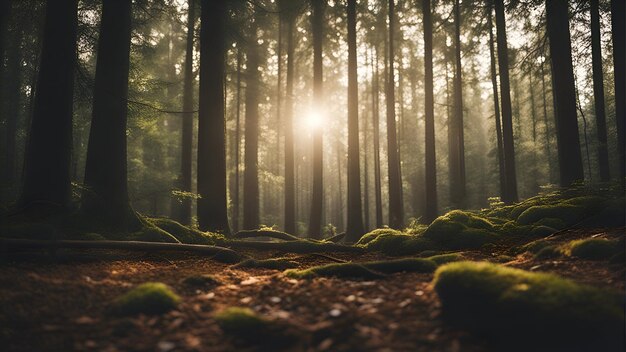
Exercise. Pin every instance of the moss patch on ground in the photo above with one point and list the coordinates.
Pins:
(367, 270)
(504, 303)
(441, 259)
(372, 235)
(240, 321)
(395, 244)
(147, 298)
(200, 281)
(593, 248)
(461, 230)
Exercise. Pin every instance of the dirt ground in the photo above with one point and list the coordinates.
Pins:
(61, 302)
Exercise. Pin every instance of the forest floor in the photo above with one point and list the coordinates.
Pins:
(62, 302)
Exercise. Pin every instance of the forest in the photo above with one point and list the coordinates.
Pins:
(312, 175)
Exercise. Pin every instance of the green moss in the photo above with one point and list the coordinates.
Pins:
(372, 235)
(612, 215)
(551, 222)
(567, 213)
(240, 322)
(593, 248)
(506, 303)
(183, 233)
(542, 231)
(534, 246)
(200, 281)
(441, 259)
(503, 259)
(147, 298)
(149, 234)
(272, 263)
(399, 244)
(459, 230)
(342, 270)
(549, 252)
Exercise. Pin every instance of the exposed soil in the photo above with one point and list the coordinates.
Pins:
(61, 302)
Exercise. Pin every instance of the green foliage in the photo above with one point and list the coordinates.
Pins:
(441, 259)
(461, 230)
(507, 302)
(200, 281)
(593, 248)
(272, 263)
(240, 321)
(147, 298)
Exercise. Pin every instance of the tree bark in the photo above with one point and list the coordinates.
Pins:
(290, 198)
(376, 132)
(237, 142)
(10, 107)
(354, 230)
(510, 195)
(429, 117)
(48, 151)
(317, 197)
(618, 25)
(457, 138)
(570, 159)
(212, 205)
(251, 218)
(396, 204)
(496, 108)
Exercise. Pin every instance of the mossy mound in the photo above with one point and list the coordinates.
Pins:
(372, 235)
(200, 281)
(542, 231)
(240, 321)
(593, 248)
(612, 215)
(399, 244)
(533, 247)
(183, 233)
(549, 252)
(505, 303)
(567, 213)
(367, 270)
(147, 298)
(272, 263)
(441, 259)
(512, 228)
(460, 230)
(554, 223)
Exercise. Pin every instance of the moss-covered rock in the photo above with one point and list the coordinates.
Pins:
(542, 231)
(241, 321)
(399, 244)
(372, 235)
(200, 281)
(568, 213)
(593, 248)
(554, 223)
(505, 303)
(613, 214)
(460, 230)
(147, 298)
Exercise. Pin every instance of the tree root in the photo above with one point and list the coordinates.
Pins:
(367, 270)
(225, 255)
(299, 246)
(264, 233)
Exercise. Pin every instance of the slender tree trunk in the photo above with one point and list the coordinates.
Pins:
(11, 104)
(496, 109)
(251, 218)
(548, 132)
(376, 132)
(106, 198)
(184, 211)
(290, 203)
(618, 25)
(396, 204)
(48, 151)
(212, 205)
(457, 153)
(236, 197)
(533, 114)
(317, 22)
(570, 160)
(354, 230)
(598, 92)
(429, 117)
(510, 195)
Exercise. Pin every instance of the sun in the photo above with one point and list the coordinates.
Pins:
(314, 119)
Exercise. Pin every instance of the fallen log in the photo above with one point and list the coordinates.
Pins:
(221, 254)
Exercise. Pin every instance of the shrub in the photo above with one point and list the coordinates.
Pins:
(147, 298)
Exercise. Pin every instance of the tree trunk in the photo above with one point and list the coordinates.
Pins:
(354, 230)
(48, 151)
(11, 107)
(251, 218)
(510, 194)
(548, 132)
(429, 117)
(570, 160)
(618, 25)
(317, 22)
(396, 204)
(290, 199)
(376, 132)
(237, 142)
(212, 205)
(496, 109)
(457, 152)
(184, 208)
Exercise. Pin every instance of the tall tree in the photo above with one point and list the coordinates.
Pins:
(47, 160)
(317, 197)
(184, 210)
(251, 217)
(510, 195)
(598, 92)
(212, 204)
(237, 151)
(618, 25)
(496, 106)
(455, 125)
(429, 117)
(564, 93)
(396, 204)
(376, 131)
(354, 230)
(106, 197)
